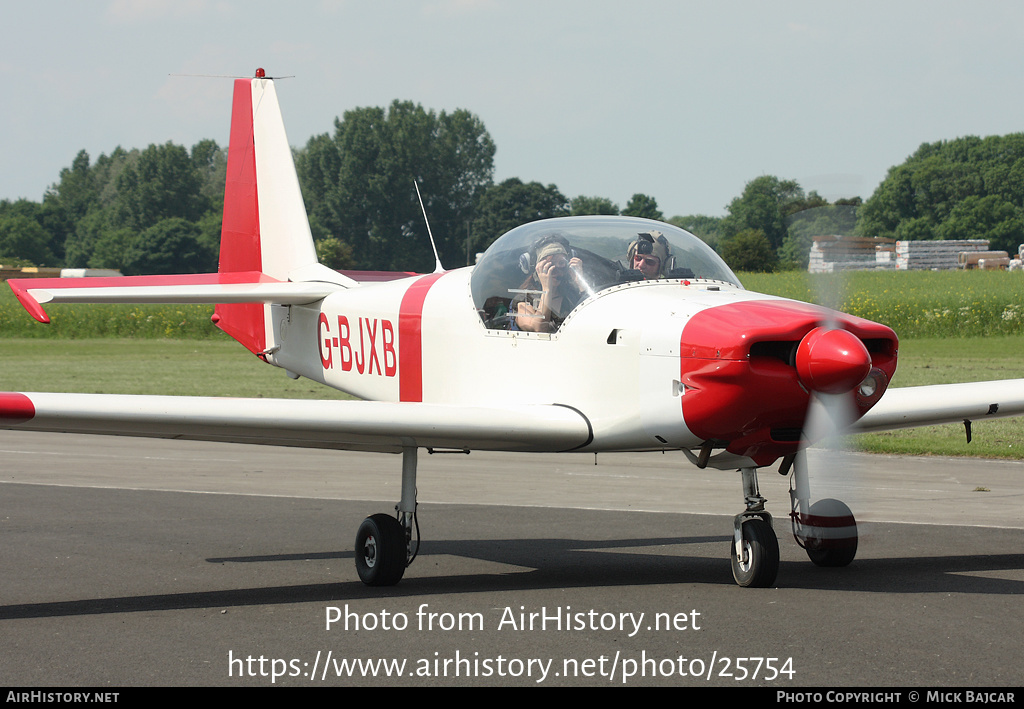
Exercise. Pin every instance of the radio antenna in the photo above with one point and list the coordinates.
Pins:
(438, 268)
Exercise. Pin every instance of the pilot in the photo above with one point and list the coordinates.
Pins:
(553, 270)
(649, 254)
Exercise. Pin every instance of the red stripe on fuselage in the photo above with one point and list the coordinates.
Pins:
(16, 408)
(410, 339)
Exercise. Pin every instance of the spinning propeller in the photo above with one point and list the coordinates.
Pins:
(836, 368)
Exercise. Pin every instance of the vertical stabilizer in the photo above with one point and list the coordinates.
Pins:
(265, 229)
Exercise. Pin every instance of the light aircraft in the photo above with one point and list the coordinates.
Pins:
(482, 359)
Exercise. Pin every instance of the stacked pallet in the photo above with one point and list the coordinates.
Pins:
(849, 253)
(935, 255)
(970, 259)
(35, 272)
(27, 272)
(999, 263)
(983, 259)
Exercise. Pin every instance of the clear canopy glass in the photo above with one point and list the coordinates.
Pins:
(599, 249)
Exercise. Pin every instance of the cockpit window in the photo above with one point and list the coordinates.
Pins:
(532, 277)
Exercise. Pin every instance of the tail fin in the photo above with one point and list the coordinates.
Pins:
(265, 229)
(267, 256)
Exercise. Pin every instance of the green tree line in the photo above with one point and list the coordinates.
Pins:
(141, 211)
(158, 210)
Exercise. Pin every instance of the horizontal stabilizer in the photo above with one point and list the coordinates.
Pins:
(213, 288)
(343, 425)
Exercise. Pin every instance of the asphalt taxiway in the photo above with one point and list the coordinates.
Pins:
(136, 562)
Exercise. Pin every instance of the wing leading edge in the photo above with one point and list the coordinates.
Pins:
(908, 407)
(347, 425)
(392, 426)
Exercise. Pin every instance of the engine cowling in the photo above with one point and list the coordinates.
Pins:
(749, 368)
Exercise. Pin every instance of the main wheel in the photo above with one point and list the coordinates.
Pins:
(837, 544)
(380, 551)
(761, 549)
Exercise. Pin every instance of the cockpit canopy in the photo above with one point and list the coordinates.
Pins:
(605, 246)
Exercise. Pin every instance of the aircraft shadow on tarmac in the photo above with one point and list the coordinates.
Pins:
(574, 563)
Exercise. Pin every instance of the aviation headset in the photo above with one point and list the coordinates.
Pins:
(652, 244)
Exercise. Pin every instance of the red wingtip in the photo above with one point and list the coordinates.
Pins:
(16, 408)
(28, 302)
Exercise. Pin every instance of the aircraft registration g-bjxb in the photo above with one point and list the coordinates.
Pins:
(550, 343)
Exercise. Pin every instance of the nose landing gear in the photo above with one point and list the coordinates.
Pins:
(755, 558)
(826, 530)
(755, 548)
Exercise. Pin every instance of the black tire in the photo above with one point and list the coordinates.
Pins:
(762, 547)
(380, 551)
(832, 552)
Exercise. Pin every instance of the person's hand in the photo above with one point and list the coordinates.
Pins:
(550, 269)
(530, 319)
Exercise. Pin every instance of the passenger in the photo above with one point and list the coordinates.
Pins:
(554, 277)
(649, 254)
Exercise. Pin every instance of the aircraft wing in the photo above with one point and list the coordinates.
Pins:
(348, 425)
(908, 407)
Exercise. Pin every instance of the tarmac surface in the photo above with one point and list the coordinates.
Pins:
(137, 562)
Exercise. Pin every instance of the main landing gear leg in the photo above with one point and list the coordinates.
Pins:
(384, 544)
(827, 529)
(755, 548)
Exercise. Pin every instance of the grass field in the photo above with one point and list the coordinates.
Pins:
(97, 321)
(916, 304)
(953, 327)
(215, 367)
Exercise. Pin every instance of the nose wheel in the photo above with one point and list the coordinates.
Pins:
(754, 548)
(755, 557)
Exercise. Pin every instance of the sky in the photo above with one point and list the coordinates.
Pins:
(683, 101)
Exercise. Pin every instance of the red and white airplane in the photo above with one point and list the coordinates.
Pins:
(501, 357)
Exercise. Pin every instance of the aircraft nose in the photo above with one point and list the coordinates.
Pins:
(832, 361)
